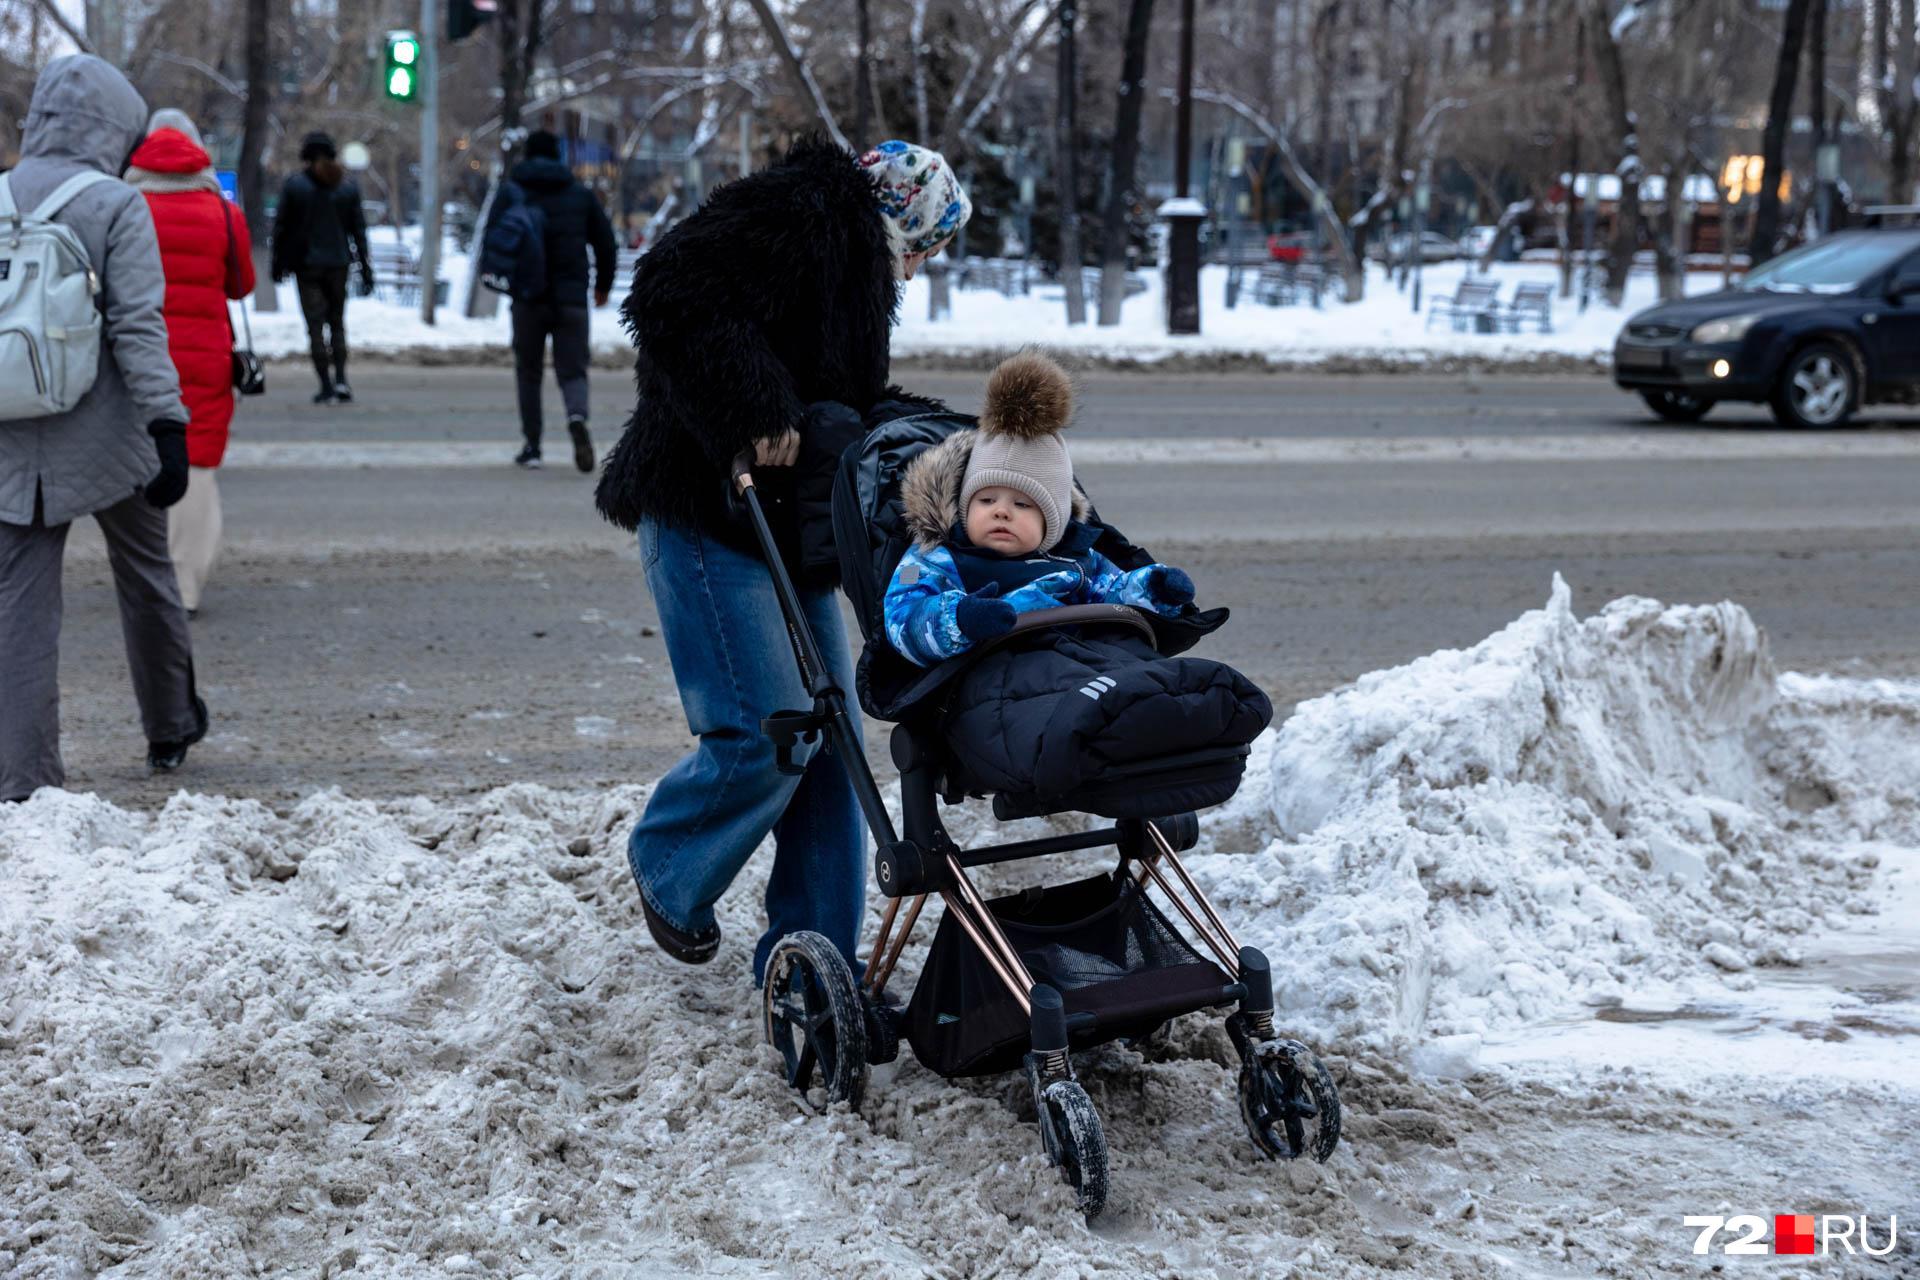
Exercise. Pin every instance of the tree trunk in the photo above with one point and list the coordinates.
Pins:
(253, 141)
(1900, 120)
(1126, 156)
(1773, 142)
(1571, 205)
(1619, 117)
(863, 75)
(1817, 69)
(1068, 167)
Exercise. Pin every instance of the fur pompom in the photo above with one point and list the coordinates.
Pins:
(1029, 395)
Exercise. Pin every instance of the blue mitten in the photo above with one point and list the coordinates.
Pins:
(1170, 585)
(983, 615)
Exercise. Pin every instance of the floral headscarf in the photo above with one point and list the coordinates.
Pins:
(921, 199)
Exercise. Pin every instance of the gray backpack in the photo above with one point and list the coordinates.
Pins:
(49, 325)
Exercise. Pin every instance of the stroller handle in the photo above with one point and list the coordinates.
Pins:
(1074, 615)
(743, 471)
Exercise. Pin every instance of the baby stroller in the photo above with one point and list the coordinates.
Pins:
(1021, 981)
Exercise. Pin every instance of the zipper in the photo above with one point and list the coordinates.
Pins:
(33, 358)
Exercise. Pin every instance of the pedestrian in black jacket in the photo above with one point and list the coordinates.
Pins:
(319, 232)
(574, 222)
(776, 294)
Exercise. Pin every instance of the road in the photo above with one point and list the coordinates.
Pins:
(400, 611)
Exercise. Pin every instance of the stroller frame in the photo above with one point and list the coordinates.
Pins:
(1283, 1085)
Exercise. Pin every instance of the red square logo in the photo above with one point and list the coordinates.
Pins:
(1793, 1233)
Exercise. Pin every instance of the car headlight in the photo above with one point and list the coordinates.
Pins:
(1729, 329)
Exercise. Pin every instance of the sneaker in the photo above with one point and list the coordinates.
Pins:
(528, 458)
(324, 395)
(165, 757)
(688, 948)
(582, 443)
(342, 392)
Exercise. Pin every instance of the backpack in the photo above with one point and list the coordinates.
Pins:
(49, 324)
(513, 257)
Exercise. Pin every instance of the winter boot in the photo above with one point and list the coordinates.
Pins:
(582, 443)
(165, 757)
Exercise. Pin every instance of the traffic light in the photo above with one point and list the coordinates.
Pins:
(464, 15)
(403, 65)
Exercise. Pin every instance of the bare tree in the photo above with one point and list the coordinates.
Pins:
(1334, 232)
(1786, 69)
(797, 68)
(1605, 31)
(1126, 154)
(1067, 149)
(1898, 109)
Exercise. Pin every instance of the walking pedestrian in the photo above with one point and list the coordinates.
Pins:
(776, 293)
(119, 454)
(570, 220)
(208, 259)
(319, 232)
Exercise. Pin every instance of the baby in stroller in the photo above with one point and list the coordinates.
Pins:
(1020, 543)
(1002, 533)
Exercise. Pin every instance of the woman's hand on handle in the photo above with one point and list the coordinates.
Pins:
(782, 450)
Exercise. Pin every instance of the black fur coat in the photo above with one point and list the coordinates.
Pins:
(776, 293)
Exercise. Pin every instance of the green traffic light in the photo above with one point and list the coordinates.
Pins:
(406, 52)
(400, 83)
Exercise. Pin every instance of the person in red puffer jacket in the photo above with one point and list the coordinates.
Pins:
(208, 259)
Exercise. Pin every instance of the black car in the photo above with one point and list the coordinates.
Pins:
(1815, 333)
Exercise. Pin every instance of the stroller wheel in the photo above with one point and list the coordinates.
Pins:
(816, 1020)
(1070, 1132)
(1288, 1101)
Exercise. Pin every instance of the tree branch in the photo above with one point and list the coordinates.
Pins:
(802, 75)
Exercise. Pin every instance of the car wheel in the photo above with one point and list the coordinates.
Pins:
(1819, 387)
(1677, 406)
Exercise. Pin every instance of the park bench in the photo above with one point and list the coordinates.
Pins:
(1474, 304)
(1532, 303)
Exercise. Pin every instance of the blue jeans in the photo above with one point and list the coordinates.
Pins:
(733, 663)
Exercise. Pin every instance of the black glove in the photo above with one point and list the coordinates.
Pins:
(1170, 585)
(983, 615)
(366, 281)
(170, 442)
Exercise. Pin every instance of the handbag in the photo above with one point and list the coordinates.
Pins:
(249, 375)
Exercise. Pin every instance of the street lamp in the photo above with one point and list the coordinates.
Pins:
(1183, 212)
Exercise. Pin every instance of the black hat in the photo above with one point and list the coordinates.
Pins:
(317, 145)
(542, 145)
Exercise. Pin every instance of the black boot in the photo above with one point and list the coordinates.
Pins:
(325, 394)
(341, 391)
(582, 443)
(687, 948)
(165, 757)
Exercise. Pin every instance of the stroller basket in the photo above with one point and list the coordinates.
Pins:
(1120, 966)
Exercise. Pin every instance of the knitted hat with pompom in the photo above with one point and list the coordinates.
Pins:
(1029, 402)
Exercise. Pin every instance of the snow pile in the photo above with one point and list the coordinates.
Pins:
(1563, 813)
(423, 1040)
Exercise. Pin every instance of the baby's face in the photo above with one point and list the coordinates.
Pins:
(1004, 520)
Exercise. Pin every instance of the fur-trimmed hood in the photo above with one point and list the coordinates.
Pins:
(930, 491)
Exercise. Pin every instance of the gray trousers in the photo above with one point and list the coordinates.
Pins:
(151, 618)
(567, 324)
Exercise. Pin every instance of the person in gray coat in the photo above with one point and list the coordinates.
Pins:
(119, 455)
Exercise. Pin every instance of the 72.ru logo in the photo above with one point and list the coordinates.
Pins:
(1792, 1233)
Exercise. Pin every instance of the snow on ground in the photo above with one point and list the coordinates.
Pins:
(418, 1037)
(1382, 327)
